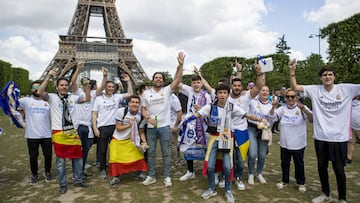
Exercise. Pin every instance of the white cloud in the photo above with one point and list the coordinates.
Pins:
(160, 28)
(333, 11)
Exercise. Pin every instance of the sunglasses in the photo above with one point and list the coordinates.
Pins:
(35, 87)
(290, 96)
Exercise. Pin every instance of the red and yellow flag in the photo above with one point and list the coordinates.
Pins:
(67, 144)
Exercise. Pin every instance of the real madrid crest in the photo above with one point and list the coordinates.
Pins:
(338, 97)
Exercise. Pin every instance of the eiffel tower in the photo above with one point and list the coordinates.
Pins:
(113, 51)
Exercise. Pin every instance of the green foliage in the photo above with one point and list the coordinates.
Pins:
(5, 73)
(187, 79)
(22, 80)
(344, 44)
(282, 47)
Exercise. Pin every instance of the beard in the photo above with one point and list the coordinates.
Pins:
(236, 93)
(35, 94)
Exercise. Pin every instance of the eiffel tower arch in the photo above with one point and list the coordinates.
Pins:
(113, 51)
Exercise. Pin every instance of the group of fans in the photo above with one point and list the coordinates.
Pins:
(222, 126)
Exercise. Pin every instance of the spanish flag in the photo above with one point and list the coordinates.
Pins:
(125, 157)
(67, 144)
(218, 164)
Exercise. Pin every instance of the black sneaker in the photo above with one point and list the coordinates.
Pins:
(48, 177)
(349, 161)
(81, 184)
(34, 180)
(62, 189)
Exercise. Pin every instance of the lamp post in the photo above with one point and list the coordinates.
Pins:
(318, 36)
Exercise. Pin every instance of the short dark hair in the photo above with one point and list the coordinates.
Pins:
(195, 78)
(134, 96)
(60, 79)
(92, 84)
(324, 69)
(224, 81)
(36, 81)
(161, 73)
(235, 80)
(222, 87)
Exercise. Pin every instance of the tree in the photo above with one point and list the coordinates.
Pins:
(344, 45)
(282, 47)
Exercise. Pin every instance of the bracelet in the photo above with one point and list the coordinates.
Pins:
(260, 74)
(292, 75)
(239, 71)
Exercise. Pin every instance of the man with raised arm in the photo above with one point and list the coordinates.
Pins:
(82, 112)
(67, 143)
(103, 118)
(331, 105)
(155, 104)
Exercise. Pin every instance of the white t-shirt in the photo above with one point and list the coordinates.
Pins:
(37, 113)
(292, 127)
(332, 110)
(157, 104)
(82, 112)
(236, 112)
(106, 108)
(193, 97)
(56, 107)
(175, 107)
(125, 134)
(355, 115)
(259, 109)
(243, 102)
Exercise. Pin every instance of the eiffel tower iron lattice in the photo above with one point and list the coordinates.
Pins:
(113, 51)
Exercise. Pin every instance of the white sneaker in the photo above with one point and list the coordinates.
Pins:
(342, 201)
(167, 182)
(261, 179)
(222, 183)
(208, 193)
(149, 180)
(229, 197)
(87, 165)
(216, 179)
(302, 188)
(321, 198)
(103, 174)
(240, 185)
(187, 176)
(251, 180)
(281, 185)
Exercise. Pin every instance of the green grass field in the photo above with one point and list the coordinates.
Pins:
(15, 178)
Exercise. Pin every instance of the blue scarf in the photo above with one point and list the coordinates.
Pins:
(9, 102)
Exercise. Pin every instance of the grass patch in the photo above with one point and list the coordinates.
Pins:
(15, 178)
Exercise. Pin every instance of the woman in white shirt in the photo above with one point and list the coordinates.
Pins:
(292, 118)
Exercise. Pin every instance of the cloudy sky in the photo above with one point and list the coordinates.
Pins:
(204, 29)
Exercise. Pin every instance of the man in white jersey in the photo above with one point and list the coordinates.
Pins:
(82, 112)
(239, 125)
(331, 105)
(37, 131)
(103, 118)
(65, 139)
(155, 104)
(197, 98)
(355, 127)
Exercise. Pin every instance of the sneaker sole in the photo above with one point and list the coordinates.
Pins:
(152, 182)
(189, 178)
(212, 195)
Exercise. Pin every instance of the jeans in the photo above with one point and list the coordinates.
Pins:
(298, 157)
(337, 157)
(258, 149)
(46, 147)
(211, 167)
(163, 134)
(86, 142)
(61, 170)
(239, 163)
(106, 133)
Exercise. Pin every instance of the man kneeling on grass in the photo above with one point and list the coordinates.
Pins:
(125, 155)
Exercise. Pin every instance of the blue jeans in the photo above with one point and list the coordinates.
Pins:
(239, 163)
(163, 134)
(211, 167)
(61, 170)
(86, 142)
(258, 149)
